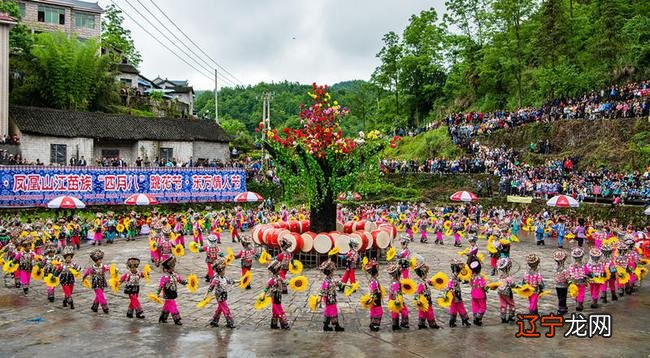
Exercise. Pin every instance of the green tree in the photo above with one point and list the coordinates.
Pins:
(388, 73)
(20, 38)
(552, 37)
(116, 39)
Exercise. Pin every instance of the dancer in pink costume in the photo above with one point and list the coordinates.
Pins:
(169, 282)
(97, 279)
(196, 229)
(595, 269)
(274, 288)
(376, 309)
(395, 293)
(131, 282)
(457, 306)
(350, 262)
(328, 293)
(98, 236)
(633, 259)
(424, 289)
(213, 252)
(424, 224)
(561, 281)
(479, 298)
(578, 276)
(438, 229)
(47, 263)
(25, 258)
(609, 264)
(284, 258)
(404, 257)
(246, 256)
(165, 246)
(66, 272)
(219, 285)
(506, 300)
(535, 279)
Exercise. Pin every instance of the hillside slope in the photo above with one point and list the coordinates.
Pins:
(616, 144)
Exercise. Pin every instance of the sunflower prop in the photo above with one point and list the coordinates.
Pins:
(114, 284)
(262, 301)
(524, 291)
(439, 281)
(204, 302)
(147, 272)
(514, 238)
(192, 283)
(194, 247)
(56, 262)
(480, 256)
(623, 277)
(51, 281)
(408, 286)
(351, 289)
(245, 280)
(421, 303)
(264, 257)
(396, 305)
(544, 293)
(298, 283)
(641, 272)
(598, 280)
(313, 302)
(179, 251)
(465, 274)
(230, 258)
(573, 290)
(493, 285)
(608, 274)
(155, 298)
(490, 247)
(153, 245)
(120, 228)
(295, 267)
(10, 267)
(333, 252)
(364, 262)
(366, 301)
(390, 254)
(86, 283)
(37, 273)
(412, 263)
(445, 301)
(2, 260)
(113, 270)
(644, 262)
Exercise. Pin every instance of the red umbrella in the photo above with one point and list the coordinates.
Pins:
(247, 197)
(463, 196)
(141, 199)
(65, 202)
(563, 201)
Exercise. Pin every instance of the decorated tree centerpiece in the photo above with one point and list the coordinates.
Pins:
(318, 160)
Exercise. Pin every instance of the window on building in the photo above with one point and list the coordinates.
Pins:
(126, 82)
(21, 7)
(84, 20)
(166, 154)
(110, 153)
(51, 15)
(58, 153)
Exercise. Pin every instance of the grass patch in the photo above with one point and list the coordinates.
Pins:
(431, 144)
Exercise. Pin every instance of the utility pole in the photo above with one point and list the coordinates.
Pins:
(216, 98)
(266, 123)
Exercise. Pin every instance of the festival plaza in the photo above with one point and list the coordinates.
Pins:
(198, 178)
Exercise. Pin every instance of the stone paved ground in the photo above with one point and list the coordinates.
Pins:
(31, 324)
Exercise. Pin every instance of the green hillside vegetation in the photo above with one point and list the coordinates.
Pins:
(431, 144)
(619, 144)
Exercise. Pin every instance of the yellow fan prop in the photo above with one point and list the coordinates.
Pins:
(37, 273)
(74, 272)
(155, 298)
(298, 283)
(51, 281)
(544, 293)
(623, 277)
(439, 281)
(245, 280)
(445, 301)
(366, 301)
(408, 286)
(351, 289)
(333, 252)
(114, 284)
(113, 270)
(86, 283)
(313, 302)
(524, 291)
(364, 262)
(192, 283)
(265, 257)
(573, 290)
(295, 267)
(598, 280)
(390, 254)
(194, 247)
(493, 285)
(204, 302)
(262, 302)
(465, 274)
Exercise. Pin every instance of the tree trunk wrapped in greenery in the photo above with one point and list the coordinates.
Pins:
(317, 160)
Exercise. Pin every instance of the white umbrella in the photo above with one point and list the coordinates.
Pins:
(141, 199)
(65, 202)
(248, 196)
(563, 201)
(463, 196)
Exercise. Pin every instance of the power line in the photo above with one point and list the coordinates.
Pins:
(178, 39)
(194, 43)
(200, 64)
(160, 42)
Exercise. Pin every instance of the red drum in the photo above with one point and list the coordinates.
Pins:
(271, 237)
(294, 226)
(296, 241)
(323, 243)
(381, 239)
(348, 227)
(343, 243)
(390, 229)
(258, 233)
(305, 225)
(365, 225)
(308, 241)
(281, 225)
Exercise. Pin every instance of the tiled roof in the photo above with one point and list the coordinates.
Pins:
(127, 68)
(76, 4)
(98, 125)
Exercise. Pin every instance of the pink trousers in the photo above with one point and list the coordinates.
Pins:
(428, 314)
(277, 310)
(222, 307)
(67, 290)
(595, 290)
(376, 312)
(506, 304)
(331, 311)
(134, 303)
(580, 298)
(25, 276)
(348, 276)
(99, 297)
(479, 305)
(404, 313)
(532, 302)
(458, 308)
(611, 283)
(170, 307)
